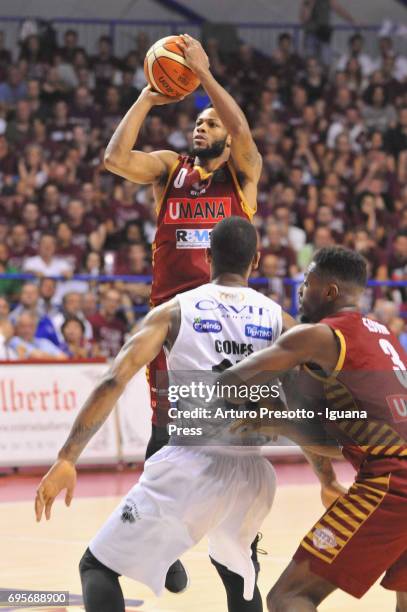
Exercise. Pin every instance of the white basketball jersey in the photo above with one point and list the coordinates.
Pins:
(221, 324)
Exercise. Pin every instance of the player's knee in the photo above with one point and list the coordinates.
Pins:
(274, 599)
(401, 602)
(278, 601)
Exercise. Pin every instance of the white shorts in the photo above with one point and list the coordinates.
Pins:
(183, 494)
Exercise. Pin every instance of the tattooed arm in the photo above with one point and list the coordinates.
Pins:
(322, 466)
(137, 352)
(246, 158)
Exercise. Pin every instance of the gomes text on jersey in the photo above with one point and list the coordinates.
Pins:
(197, 210)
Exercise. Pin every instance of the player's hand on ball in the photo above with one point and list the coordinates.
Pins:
(330, 492)
(61, 476)
(158, 99)
(194, 54)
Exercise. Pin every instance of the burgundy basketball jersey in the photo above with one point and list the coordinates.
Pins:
(193, 202)
(370, 377)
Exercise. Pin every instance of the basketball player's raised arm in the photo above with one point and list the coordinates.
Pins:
(138, 166)
(244, 151)
(137, 352)
(299, 345)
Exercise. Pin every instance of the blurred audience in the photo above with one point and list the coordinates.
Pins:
(333, 136)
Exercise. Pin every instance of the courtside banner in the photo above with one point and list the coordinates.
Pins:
(135, 418)
(38, 404)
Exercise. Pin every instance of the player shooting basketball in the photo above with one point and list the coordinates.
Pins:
(217, 180)
(193, 193)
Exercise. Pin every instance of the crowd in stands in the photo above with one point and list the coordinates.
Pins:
(334, 146)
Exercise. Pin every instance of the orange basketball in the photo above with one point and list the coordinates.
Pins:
(166, 69)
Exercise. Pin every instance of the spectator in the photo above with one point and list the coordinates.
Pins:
(396, 137)
(322, 238)
(89, 304)
(108, 328)
(47, 291)
(334, 162)
(377, 112)
(19, 129)
(365, 244)
(8, 161)
(104, 63)
(314, 80)
(46, 263)
(315, 15)
(398, 62)
(355, 52)
(8, 287)
(79, 222)
(397, 261)
(82, 111)
(71, 253)
(274, 245)
(6, 333)
(294, 236)
(75, 345)
(14, 89)
(5, 55)
(27, 346)
(287, 63)
(71, 307)
(125, 82)
(19, 246)
(29, 301)
(32, 169)
(387, 312)
(70, 46)
(59, 127)
(269, 268)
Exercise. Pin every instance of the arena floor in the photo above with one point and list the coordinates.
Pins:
(45, 556)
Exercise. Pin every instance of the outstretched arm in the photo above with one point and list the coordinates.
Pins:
(244, 152)
(301, 344)
(137, 352)
(138, 166)
(342, 12)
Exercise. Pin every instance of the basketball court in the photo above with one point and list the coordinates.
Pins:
(45, 556)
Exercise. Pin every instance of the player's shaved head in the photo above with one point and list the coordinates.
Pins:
(233, 246)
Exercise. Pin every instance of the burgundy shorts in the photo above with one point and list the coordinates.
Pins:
(362, 535)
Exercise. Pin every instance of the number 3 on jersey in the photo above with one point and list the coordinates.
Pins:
(398, 366)
(397, 403)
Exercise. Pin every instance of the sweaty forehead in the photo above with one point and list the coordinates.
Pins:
(208, 113)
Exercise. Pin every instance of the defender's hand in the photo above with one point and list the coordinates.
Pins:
(158, 99)
(195, 55)
(330, 492)
(61, 476)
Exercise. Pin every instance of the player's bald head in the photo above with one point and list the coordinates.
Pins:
(233, 246)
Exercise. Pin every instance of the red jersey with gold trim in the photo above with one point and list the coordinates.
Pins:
(370, 377)
(194, 201)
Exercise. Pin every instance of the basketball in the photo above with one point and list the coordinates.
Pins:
(166, 69)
